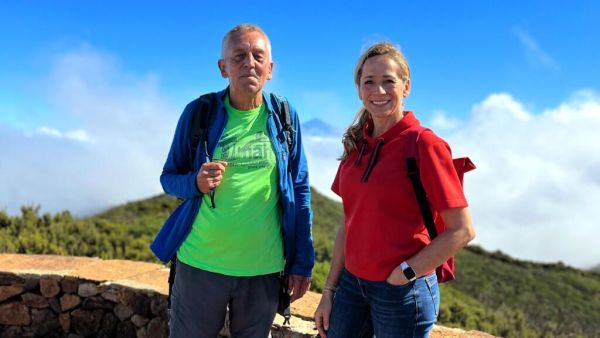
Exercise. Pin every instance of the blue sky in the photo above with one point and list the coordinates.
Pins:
(90, 92)
(540, 51)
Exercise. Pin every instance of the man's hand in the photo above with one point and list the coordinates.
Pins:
(297, 286)
(210, 175)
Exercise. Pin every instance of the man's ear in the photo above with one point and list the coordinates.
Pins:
(221, 65)
(270, 75)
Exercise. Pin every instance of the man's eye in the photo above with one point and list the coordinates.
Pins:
(238, 57)
(368, 82)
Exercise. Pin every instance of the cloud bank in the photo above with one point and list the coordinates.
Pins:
(113, 155)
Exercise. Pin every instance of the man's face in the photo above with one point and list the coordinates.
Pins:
(246, 62)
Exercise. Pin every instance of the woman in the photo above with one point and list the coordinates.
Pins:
(382, 271)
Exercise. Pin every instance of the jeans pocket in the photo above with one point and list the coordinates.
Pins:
(396, 286)
(434, 291)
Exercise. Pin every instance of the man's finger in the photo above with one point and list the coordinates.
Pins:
(213, 166)
(291, 281)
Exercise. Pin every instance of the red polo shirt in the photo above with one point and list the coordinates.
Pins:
(384, 226)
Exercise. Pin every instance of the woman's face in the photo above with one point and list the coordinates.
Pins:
(381, 88)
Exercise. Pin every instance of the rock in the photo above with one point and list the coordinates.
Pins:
(139, 321)
(69, 301)
(54, 305)
(97, 302)
(28, 333)
(65, 322)
(123, 312)
(109, 325)
(69, 284)
(85, 322)
(158, 306)
(158, 328)
(44, 322)
(126, 330)
(111, 294)
(14, 314)
(34, 300)
(138, 302)
(142, 333)
(12, 332)
(87, 290)
(9, 291)
(7, 278)
(73, 335)
(49, 286)
(32, 283)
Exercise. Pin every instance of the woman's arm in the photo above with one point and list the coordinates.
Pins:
(459, 231)
(333, 278)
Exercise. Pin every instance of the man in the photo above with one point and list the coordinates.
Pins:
(230, 253)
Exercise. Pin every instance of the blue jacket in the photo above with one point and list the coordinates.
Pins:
(179, 179)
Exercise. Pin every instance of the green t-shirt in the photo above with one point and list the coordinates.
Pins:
(242, 235)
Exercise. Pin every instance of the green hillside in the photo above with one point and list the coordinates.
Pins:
(493, 292)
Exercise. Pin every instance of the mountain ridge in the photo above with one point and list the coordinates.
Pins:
(493, 292)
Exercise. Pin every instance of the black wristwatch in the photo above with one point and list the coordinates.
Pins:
(409, 273)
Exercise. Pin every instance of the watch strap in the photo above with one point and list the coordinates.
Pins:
(409, 273)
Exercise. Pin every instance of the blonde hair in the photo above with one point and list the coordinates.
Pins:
(354, 133)
(243, 28)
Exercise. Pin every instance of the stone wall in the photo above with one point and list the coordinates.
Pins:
(56, 306)
(59, 296)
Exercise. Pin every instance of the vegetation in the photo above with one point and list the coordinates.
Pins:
(493, 292)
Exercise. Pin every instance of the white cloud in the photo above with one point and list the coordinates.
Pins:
(441, 120)
(74, 135)
(535, 54)
(536, 190)
(113, 155)
(322, 153)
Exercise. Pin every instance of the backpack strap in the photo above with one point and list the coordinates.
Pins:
(172, 269)
(282, 109)
(415, 178)
(414, 175)
(200, 120)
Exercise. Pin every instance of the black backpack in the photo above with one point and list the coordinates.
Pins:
(199, 132)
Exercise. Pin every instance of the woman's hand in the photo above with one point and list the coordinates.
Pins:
(397, 277)
(323, 312)
(210, 175)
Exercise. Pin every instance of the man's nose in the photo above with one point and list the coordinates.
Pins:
(249, 61)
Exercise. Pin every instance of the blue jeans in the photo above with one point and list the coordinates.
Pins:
(362, 308)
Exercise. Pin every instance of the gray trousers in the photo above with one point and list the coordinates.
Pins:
(200, 300)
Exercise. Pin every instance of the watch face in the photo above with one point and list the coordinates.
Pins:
(409, 273)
